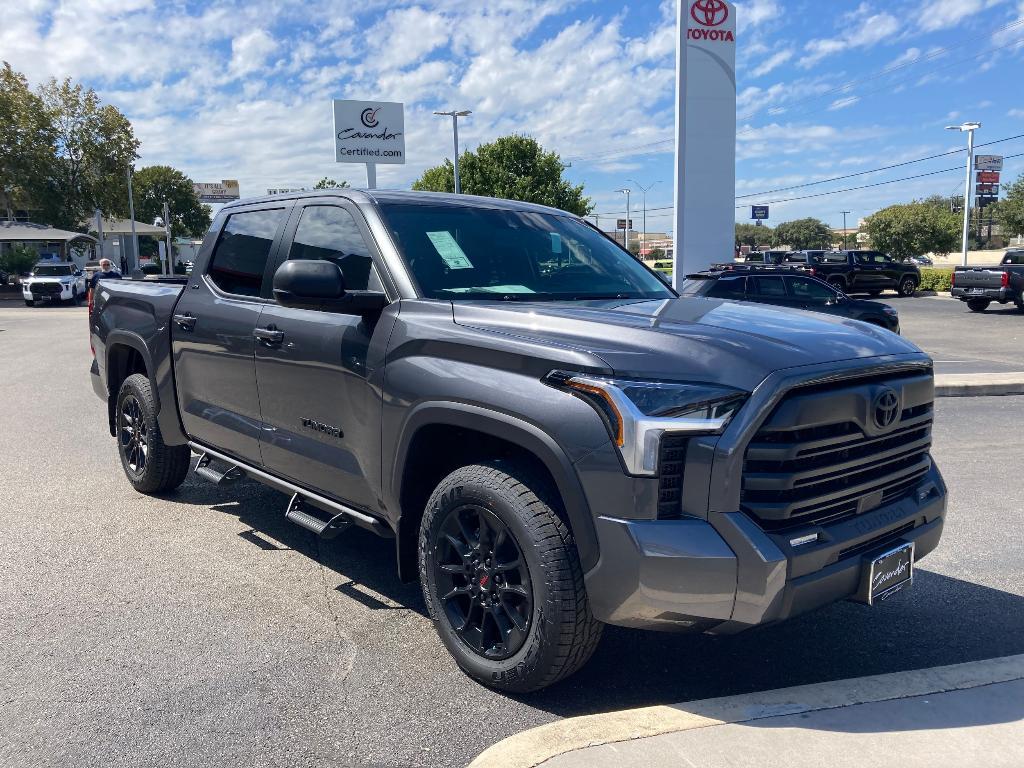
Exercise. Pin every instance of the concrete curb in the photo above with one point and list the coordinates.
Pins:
(537, 745)
(978, 384)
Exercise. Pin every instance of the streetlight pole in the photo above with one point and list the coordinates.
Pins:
(625, 231)
(455, 115)
(969, 129)
(135, 237)
(644, 192)
(846, 245)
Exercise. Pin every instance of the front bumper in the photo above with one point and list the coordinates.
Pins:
(37, 293)
(726, 574)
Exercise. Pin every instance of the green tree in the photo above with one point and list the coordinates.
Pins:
(513, 168)
(1010, 210)
(803, 234)
(17, 259)
(155, 184)
(26, 142)
(753, 235)
(326, 183)
(656, 254)
(914, 228)
(93, 146)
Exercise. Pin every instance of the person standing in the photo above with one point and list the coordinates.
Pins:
(106, 272)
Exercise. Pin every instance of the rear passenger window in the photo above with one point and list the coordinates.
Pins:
(729, 288)
(240, 256)
(330, 233)
(771, 286)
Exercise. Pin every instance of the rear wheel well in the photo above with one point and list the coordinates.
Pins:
(122, 362)
(438, 450)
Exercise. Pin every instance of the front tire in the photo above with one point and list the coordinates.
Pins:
(150, 465)
(502, 579)
(978, 305)
(907, 287)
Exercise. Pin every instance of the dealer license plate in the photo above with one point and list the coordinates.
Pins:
(886, 574)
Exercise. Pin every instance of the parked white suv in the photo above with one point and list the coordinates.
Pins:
(55, 282)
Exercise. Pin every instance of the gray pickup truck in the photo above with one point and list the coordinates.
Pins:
(553, 438)
(980, 286)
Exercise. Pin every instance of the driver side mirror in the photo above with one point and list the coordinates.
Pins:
(320, 285)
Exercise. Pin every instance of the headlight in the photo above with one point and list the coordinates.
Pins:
(637, 413)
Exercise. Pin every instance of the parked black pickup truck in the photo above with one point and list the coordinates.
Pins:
(553, 439)
(858, 271)
(980, 286)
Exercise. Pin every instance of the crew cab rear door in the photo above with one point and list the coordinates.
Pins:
(321, 375)
(212, 331)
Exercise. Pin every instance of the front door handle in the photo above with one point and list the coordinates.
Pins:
(186, 322)
(269, 335)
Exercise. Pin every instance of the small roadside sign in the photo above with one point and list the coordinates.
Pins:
(621, 224)
(759, 212)
(988, 177)
(988, 162)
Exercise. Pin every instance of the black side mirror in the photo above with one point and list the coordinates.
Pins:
(320, 285)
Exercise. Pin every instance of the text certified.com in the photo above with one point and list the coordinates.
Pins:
(363, 152)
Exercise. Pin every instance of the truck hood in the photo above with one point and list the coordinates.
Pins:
(53, 279)
(688, 338)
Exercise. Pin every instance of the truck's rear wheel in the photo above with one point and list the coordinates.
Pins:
(149, 464)
(502, 579)
(978, 305)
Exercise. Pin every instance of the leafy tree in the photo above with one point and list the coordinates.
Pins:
(914, 228)
(17, 259)
(803, 234)
(26, 142)
(94, 145)
(656, 254)
(513, 168)
(158, 183)
(1010, 210)
(326, 183)
(753, 235)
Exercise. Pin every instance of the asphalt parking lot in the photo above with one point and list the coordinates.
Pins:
(203, 630)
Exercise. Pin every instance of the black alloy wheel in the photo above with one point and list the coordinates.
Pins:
(133, 435)
(483, 583)
(908, 287)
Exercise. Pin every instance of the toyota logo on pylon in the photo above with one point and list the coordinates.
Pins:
(710, 13)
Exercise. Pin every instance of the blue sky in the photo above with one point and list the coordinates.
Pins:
(227, 89)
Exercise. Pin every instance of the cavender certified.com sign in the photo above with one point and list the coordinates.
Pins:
(369, 132)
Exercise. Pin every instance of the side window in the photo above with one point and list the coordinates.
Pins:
(809, 290)
(729, 288)
(330, 233)
(771, 287)
(240, 256)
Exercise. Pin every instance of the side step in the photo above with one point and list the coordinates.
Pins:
(207, 472)
(325, 529)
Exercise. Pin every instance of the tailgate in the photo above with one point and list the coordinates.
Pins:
(979, 277)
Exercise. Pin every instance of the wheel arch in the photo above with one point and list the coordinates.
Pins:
(126, 354)
(477, 434)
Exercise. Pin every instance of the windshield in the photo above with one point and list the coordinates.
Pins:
(53, 270)
(456, 252)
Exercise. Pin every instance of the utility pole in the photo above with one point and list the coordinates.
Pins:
(135, 237)
(846, 247)
(625, 231)
(169, 260)
(644, 192)
(969, 129)
(455, 115)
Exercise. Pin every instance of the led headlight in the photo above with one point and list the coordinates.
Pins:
(637, 413)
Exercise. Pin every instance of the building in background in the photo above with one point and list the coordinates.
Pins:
(48, 242)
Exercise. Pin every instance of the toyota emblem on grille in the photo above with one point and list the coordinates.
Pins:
(886, 408)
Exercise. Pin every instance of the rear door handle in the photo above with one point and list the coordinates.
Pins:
(269, 335)
(186, 322)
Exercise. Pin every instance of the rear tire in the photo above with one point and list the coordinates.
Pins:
(150, 465)
(30, 302)
(978, 305)
(502, 580)
(907, 287)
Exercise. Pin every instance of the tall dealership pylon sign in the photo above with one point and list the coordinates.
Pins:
(705, 173)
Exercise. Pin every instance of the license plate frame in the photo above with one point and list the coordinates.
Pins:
(886, 573)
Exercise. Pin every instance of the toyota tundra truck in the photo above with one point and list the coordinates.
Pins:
(980, 286)
(553, 439)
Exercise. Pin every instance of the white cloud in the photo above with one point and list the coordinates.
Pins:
(859, 29)
(772, 63)
(943, 14)
(755, 12)
(1015, 113)
(249, 52)
(843, 103)
(911, 54)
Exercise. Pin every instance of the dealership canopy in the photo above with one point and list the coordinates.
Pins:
(22, 232)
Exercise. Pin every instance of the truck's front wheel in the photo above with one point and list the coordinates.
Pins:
(502, 580)
(150, 465)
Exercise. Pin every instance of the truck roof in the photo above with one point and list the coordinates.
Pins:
(371, 196)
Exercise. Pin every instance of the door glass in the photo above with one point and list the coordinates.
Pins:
(771, 287)
(810, 291)
(728, 288)
(330, 233)
(240, 256)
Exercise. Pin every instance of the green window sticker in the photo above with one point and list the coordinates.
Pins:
(449, 250)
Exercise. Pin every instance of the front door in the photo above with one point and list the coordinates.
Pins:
(212, 334)
(320, 378)
(869, 274)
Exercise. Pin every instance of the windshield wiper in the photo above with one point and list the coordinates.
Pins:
(601, 296)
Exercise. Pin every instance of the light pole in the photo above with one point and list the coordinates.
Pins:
(625, 231)
(969, 129)
(845, 244)
(644, 192)
(455, 115)
(135, 237)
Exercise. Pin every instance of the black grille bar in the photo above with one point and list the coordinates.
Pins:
(671, 468)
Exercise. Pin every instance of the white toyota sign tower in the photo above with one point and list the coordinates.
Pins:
(705, 173)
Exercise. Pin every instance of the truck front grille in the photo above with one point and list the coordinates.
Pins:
(818, 458)
(671, 466)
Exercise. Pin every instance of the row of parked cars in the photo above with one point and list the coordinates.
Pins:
(859, 271)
